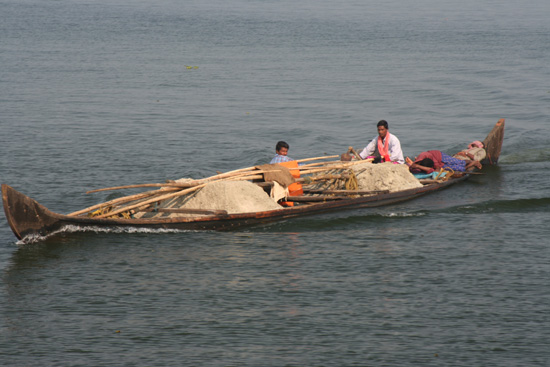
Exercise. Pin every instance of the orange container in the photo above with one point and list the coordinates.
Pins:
(294, 189)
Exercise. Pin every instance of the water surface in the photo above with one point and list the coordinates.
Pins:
(98, 94)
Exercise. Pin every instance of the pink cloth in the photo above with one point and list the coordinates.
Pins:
(434, 155)
(383, 148)
(475, 144)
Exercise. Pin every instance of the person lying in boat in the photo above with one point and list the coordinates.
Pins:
(475, 152)
(385, 147)
(281, 151)
(431, 160)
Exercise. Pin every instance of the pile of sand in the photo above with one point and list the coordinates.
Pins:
(232, 196)
(245, 197)
(385, 176)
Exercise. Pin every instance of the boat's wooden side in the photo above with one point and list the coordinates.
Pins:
(27, 217)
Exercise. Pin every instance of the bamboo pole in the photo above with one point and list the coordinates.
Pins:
(316, 158)
(166, 184)
(314, 198)
(312, 165)
(187, 191)
(245, 178)
(343, 165)
(346, 192)
(149, 201)
(248, 173)
(121, 200)
(238, 172)
(229, 174)
(350, 149)
(171, 195)
(254, 167)
(321, 178)
(184, 211)
(298, 160)
(177, 185)
(330, 163)
(124, 199)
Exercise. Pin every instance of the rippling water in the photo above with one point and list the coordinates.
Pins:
(97, 94)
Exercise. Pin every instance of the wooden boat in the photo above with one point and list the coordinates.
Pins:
(29, 219)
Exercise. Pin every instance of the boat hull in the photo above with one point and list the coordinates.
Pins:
(27, 217)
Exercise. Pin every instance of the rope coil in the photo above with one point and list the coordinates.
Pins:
(351, 183)
(449, 172)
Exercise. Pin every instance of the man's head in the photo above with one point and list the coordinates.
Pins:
(426, 162)
(382, 128)
(282, 148)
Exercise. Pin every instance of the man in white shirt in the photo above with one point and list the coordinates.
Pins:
(385, 147)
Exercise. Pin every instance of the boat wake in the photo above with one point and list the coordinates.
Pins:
(77, 229)
(503, 206)
(405, 215)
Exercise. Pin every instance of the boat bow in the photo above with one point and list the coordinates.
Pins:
(25, 215)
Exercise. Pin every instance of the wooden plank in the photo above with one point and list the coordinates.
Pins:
(314, 198)
(345, 192)
(184, 211)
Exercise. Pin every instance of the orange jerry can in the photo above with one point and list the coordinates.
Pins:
(294, 189)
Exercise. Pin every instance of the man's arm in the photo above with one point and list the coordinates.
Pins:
(466, 154)
(369, 149)
(417, 168)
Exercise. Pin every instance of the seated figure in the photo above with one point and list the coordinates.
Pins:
(281, 151)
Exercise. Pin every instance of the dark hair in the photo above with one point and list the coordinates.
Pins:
(427, 162)
(382, 123)
(281, 144)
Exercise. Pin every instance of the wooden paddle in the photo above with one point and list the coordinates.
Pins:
(350, 149)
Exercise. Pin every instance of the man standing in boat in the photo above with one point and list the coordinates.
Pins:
(385, 147)
(281, 151)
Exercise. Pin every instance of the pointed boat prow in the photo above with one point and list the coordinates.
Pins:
(25, 216)
(493, 143)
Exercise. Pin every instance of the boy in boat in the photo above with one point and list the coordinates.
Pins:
(428, 162)
(281, 151)
(385, 147)
(292, 188)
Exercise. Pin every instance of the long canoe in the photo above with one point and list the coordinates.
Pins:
(29, 219)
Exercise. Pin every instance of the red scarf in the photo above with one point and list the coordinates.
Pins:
(383, 148)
